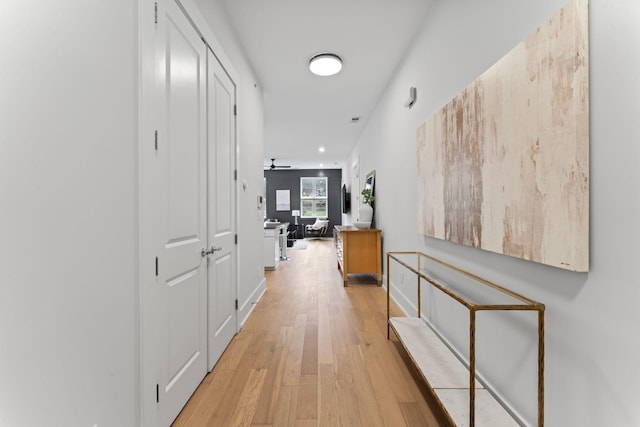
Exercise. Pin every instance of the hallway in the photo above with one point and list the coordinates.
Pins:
(313, 353)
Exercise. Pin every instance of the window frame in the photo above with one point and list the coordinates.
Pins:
(314, 198)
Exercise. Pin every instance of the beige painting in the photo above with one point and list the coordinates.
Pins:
(504, 166)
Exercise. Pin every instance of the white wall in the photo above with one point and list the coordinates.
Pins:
(69, 273)
(591, 343)
(250, 136)
(68, 213)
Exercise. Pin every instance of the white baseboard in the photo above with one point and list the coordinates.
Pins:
(401, 300)
(247, 306)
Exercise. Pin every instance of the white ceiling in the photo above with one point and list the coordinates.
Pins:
(304, 111)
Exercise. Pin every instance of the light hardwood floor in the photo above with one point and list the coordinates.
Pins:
(313, 353)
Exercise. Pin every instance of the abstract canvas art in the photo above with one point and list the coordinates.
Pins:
(504, 166)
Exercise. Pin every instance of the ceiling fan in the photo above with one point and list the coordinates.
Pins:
(274, 166)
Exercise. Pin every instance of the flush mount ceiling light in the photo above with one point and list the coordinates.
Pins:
(325, 64)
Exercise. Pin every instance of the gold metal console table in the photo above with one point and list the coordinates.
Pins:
(455, 385)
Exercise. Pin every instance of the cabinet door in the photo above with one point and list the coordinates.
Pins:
(362, 252)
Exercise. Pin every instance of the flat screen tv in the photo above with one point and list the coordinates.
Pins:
(346, 200)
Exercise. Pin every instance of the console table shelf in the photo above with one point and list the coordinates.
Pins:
(464, 400)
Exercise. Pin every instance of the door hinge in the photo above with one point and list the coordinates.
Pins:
(155, 12)
(235, 174)
(156, 140)
(157, 393)
(235, 110)
(156, 266)
(236, 239)
(236, 303)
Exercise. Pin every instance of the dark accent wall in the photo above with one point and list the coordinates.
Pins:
(290, 180)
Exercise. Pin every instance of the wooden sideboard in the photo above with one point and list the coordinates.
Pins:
(358, 251)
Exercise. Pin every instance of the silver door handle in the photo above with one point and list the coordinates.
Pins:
(204, 252)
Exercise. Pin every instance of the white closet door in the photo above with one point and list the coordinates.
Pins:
(222, 213)
(182, 160)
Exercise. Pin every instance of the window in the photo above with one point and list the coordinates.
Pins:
(313, 197)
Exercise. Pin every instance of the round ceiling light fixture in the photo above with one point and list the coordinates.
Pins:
(325, 64)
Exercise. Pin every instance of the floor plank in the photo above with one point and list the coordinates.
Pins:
(314, 353)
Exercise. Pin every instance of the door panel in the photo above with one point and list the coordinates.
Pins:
(184, 105)
(223, 302)
(221, 212)
(224, 160)
(182, 158)
(183, 293)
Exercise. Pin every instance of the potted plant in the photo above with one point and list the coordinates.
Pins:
(368, 197)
